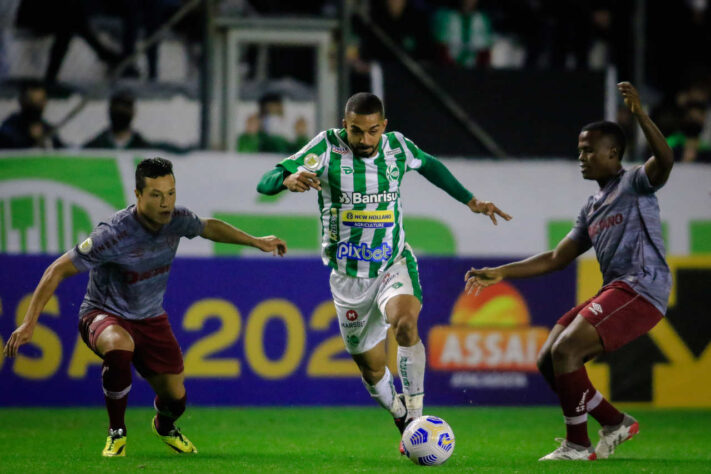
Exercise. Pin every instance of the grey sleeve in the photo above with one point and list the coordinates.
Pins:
(639, 181)
(187, 223)
(579, 232)
(98, 248)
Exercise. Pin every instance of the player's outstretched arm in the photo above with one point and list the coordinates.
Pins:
(272, 181)
(302, 181)
(546, 262)
(52, 277)
(659, 165)
(438, 174)
(278, 179)
(220, 231)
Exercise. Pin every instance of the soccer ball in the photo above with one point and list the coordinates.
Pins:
(428, 440)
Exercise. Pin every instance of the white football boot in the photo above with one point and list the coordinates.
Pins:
(613, 436)
(568, 451)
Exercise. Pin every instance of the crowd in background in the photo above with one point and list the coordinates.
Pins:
(469, 34)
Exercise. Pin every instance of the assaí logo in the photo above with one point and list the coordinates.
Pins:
(489, 342)
(364, 252)
(43, 214)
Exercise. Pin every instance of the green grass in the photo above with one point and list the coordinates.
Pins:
(336, 440)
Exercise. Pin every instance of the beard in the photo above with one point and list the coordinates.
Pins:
(362, 152)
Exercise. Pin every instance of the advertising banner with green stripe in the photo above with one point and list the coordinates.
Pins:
(50, 202)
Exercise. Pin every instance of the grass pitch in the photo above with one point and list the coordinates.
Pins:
(336, 440)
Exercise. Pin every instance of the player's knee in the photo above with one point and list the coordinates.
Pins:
(406, 329)
(112, 339)
(564, 349)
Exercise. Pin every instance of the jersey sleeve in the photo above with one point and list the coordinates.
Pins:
(639, 181)
(312, 157)
(579, 232)
(438, 174)
(272, 181)
(186, 223)
(416, 158)
(100, 247)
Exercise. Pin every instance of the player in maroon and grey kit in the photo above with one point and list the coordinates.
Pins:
(122, 317)
(621, 221)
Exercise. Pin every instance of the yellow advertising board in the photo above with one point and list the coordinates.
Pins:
(670, 366)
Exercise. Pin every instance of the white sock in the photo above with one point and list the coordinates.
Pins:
(411, 363)
(384, 392)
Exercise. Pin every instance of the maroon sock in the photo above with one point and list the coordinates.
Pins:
(168, 411)
(116, 381)
(603, 411)
(574, 390)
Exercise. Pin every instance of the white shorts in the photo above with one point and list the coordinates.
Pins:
(360, 302)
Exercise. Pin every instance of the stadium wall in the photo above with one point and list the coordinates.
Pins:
(262, 331)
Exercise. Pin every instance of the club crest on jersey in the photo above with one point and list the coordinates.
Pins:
(393, 172)
(364, 252)
(312, 162)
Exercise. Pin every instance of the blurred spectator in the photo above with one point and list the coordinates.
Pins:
(572, 33)
(140, 17)
(405, 24)
(26, 128)
(464, 37)
(120, 135)
(62, 19)
(682, 55)
(265, 131)
(687, 142)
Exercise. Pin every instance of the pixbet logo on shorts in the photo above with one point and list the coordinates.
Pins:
(364, 252)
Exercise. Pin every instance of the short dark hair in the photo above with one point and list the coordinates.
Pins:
(268, 98)
(152, 168)
(123, 96)
(609, 129)
(29, 85)
(365, 103)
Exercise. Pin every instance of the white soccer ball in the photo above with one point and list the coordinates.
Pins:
(428, 440)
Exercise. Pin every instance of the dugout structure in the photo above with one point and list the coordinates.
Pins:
(229, 38)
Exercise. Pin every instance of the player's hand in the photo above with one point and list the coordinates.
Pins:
(302, 181)
(631, 96)
(272, 244)
(20, 336)
(481, 278)
(488, 208)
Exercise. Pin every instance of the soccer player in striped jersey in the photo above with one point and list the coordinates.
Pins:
(375, 283)
(621, 221)
(122, 317)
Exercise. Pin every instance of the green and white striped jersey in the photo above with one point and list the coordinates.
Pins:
(359, 201)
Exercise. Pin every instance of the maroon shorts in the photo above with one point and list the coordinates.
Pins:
(618, 313)
(156, 350)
